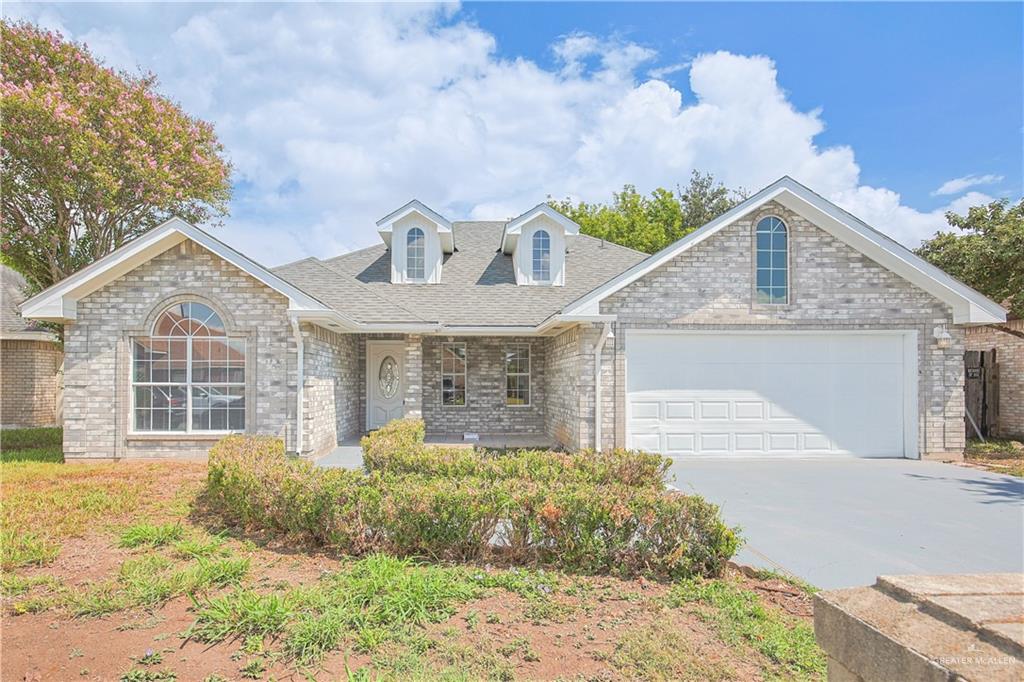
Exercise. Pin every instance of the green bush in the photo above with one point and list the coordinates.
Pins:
(599, 518)
(399, 448)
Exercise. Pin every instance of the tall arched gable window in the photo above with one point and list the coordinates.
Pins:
(772, 261)
(541, 256)
(189, 376)
(415, 254)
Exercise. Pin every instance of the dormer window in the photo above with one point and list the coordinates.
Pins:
(538, 241)
(418, 239)
(541, 256)
(415, 253)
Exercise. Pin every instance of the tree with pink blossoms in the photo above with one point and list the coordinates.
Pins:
(91, 158)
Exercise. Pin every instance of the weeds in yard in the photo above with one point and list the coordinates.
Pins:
(738, 616)
(150, 535)
(659, 651)
(144, 675)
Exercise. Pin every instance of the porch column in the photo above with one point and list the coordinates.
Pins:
(413, 402)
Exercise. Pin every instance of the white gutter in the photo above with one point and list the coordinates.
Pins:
(606, 333)
(299, 381)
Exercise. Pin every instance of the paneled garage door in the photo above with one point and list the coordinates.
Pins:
(771, 393)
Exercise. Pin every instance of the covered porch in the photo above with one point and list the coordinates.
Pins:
(495, 391)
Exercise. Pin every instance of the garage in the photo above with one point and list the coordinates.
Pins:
(772, 394)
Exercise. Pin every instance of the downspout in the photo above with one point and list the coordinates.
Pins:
(299, 381)
(606, 333)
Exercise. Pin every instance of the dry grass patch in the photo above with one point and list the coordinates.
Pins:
(1001, 456)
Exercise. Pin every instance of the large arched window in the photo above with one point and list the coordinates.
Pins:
(189, 375)
(415, 254)
(541, 256)
(772, 261)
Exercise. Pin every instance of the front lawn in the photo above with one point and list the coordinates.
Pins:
(136, 577)
(1000, 456)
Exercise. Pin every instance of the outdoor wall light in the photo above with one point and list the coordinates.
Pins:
(942, 338)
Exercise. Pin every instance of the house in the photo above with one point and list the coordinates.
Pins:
(784, 327)
(1008, 342)
(30, 360)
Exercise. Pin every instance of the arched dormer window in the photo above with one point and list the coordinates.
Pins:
(541, 256)
(772, 261)
(415, 254)
(189, 375)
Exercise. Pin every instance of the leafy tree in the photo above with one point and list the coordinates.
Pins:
(650, 223)
(988, 254)
(91, 158)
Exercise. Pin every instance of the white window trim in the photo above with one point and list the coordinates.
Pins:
(189, 431)
(789, 250)
(528, 373)
(423, 247)
(533, 256)
(464, 374)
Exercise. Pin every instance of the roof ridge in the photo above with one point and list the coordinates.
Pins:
(615, 244)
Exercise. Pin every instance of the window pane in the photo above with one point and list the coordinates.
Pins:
(779, 241)
(541, 256)
(764, 241)
(178, 420)
(778, 259)
(415, 253)
(764, 259)
(779, 278)
(764, 278)
(764, 295)
(143, 420)
(779, 295)
(143, 397)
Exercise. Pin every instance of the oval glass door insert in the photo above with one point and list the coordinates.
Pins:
(387, 377)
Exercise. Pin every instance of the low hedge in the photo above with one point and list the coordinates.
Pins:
(398, 448)
(578, 525)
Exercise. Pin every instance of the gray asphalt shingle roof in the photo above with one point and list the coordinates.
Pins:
(477, 283)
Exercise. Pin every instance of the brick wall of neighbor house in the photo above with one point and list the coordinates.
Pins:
(30, 374)
(332, 391)
(833, 286)
(98, 353)
(485, 411)
(1010, 356)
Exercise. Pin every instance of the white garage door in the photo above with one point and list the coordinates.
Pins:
(769, 394)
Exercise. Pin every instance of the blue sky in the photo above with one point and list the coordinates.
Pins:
(334, 115)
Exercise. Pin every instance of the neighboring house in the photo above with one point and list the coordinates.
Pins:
(1008, 341)
(784, 327)
(30, 360)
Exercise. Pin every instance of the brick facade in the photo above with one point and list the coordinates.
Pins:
(31, 379)
(1010, 358)
(832, 287)
(331, 392)
(485, 411)
(97, 364)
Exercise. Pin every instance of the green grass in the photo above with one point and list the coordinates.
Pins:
(376, 600)
(738, 616)
(31, 445)
(151, 535)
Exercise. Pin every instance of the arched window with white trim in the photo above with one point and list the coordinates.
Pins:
(189, 375)
(541, 256)
(415, 254)
(772, 261)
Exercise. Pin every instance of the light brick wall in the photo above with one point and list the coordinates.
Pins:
(564, 370)
(1010, 357)
(30, 380)
(332, 392)
(485, 411)
(832, 286)
(97, 361)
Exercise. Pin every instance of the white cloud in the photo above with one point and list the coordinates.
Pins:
(336, 114)
(958, 185)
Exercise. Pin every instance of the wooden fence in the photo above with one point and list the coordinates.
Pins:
(981, 386)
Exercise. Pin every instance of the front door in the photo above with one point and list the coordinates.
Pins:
(385, 377)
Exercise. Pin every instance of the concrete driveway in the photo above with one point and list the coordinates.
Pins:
(839, 523)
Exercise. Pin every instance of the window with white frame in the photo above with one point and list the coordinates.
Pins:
(189, 375)
(415, 254)
(453, 374)
(541, 256)
(772, 261)
(517, 374)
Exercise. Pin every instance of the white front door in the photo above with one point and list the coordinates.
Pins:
(771, 393)
(385, 382)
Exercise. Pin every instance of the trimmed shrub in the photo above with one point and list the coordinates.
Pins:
(587, 521)
(399, 448)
